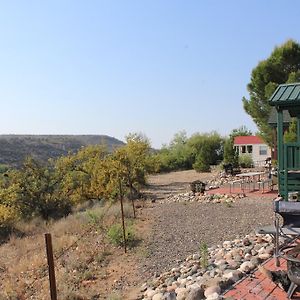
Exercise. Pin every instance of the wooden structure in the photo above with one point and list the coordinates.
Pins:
(287, 97)
(273, 123)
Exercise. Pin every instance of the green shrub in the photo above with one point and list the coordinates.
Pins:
(201, 165)
(95, 215)
(246, 161)
(115, 235)
(204, 255)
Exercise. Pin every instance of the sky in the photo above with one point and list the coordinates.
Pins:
(116, 67)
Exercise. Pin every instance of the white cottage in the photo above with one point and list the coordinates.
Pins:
(254, 146)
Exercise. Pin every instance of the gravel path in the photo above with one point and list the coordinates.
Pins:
(179, 228)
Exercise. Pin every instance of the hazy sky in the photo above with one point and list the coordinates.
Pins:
(114, 67)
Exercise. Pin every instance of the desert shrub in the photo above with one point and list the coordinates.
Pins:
(115, 235)
(95, 215)
(8, 217)
(115, 211)
(246, 161)
(204, 255)
(201, 165)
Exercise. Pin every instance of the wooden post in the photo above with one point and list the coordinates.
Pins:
(280, 149)
(51, 269)
(298, 128)
(133, 207)
(122, 211)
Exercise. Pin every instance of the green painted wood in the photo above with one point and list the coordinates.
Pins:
(280, 143)
(285, 169)
(298, 129)
(286, 94)
(287, 97)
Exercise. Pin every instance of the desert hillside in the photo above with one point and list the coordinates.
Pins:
(14, 148)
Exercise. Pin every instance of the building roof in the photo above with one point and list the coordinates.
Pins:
(273, 117)
(248, 140)
(287, 96)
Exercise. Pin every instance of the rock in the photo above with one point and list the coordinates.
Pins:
(195, 294)
(227, 244)
(262, 250)
(171, 288)
(246, 242)
(227, 263)
(193, 270)
(196, 256)
(255, 260)
(144, 287)
(212, 290)
(248, 256)
(232, 276)
(150, 293)
(180, 290)
(182, 295)
(175, 270)
(170, 296)
(254, 252)
(228, 256)
(237, 258)
(259, 240)
(220, 262)
(232, 264)
(182, 281)
(264, 256)
(158, 296)
(246, 267)
(213, 296)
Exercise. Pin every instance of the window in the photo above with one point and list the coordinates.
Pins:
(236, 149)
(243, 149)
(249, 149)
(263, 150)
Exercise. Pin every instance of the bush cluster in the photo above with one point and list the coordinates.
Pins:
(51, 190)
(198, 152)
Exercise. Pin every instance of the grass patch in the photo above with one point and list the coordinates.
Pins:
(116, 237)
(203, 249)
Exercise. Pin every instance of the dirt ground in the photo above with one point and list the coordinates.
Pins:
(169, 232)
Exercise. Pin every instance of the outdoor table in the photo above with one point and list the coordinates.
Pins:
(250, 177)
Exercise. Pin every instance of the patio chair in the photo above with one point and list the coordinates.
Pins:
(265, 185)
(286, 225)
(234, 183)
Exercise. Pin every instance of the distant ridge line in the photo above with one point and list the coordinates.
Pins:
(14, 148)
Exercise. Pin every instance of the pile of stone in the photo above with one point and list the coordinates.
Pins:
(207, 274)
(221, 179)
(202, 198)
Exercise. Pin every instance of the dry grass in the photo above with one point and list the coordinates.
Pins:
(81, 254)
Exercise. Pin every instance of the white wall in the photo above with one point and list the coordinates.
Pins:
(257, 158)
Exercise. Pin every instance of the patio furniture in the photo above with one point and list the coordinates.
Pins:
(250, 179)
(234, 183)
(265, 184)
(287, 207)
(286, 225)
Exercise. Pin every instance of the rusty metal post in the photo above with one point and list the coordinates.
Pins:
(51, 269)
(122, 211)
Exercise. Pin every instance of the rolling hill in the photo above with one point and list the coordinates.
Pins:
(15, 148)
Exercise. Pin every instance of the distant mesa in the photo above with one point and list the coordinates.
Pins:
(15, 148)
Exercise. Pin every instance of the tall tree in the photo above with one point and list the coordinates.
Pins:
(283, 66)
(241, 131)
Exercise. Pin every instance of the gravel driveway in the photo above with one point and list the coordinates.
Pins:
(179, 228)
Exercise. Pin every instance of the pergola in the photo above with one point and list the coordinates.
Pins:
(287, 98)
